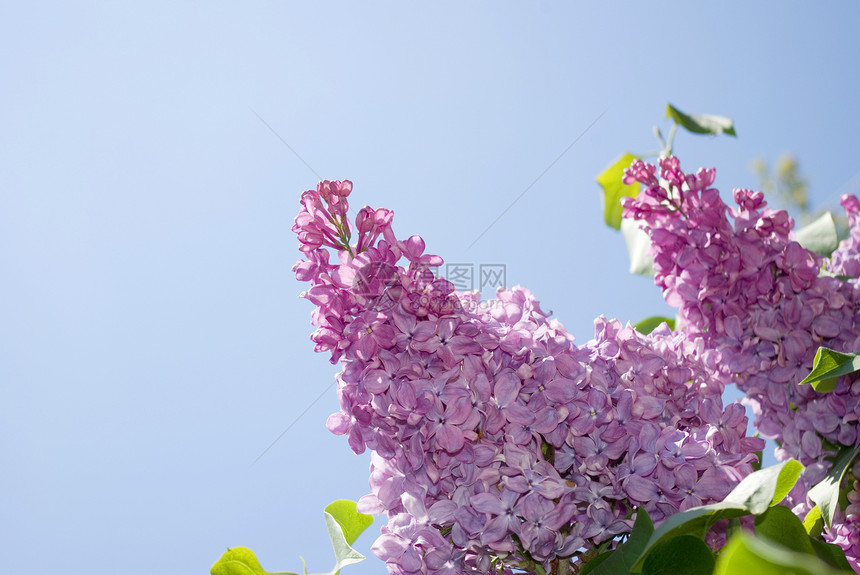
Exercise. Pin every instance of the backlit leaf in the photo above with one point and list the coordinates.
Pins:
(240, 561)
(759, 556)
(350, 520)
(614, 189)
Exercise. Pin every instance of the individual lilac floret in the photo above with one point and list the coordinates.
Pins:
(496, 442)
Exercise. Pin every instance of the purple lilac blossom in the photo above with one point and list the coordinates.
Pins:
(754, 296)
(845, 529)
(496, 442)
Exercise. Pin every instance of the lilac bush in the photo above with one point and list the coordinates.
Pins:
(497, 443)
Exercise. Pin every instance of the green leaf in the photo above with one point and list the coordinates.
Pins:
(813, 522)
(240, 561)
(782, 526)
(819, 236)
(620, 561)
(747, 554)
(649, 324)
(638, 248)
(350, 520)
(828, 366)
(614, 189)
(756, 465)
(766, 487)
(831, 554)
(343, 553)
(754, 495)
(826, 493)
(696, 521)
(344, 524)
(684, 555)
(701, 123)
(595, 562)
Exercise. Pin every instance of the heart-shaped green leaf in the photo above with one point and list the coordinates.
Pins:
(350, 520)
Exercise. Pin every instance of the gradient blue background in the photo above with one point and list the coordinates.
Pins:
(151, 341)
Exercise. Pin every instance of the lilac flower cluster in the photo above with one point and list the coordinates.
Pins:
(497, 443)
(752, 294)
(845, 260)
(845, 530)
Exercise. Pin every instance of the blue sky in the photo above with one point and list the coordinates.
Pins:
(152, 344)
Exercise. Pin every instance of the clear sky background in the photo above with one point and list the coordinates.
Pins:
(152, 344)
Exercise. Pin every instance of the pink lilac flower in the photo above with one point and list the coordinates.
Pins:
(496, 442)
(748, 291)
(846, 259)
(845, 530)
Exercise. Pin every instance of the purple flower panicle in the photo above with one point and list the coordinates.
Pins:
(496, 441)
(748, 291)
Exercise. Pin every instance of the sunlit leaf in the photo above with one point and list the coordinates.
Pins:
(828, 366)
(240, 561)
(614, 189)
(701, 123)
(759, 556)
(756, 493)
(350, 520)
(344, 554)
(766, 487)
(344, 524)
(696, 521)
(819, 236)
(638, 248)
(813, 523)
